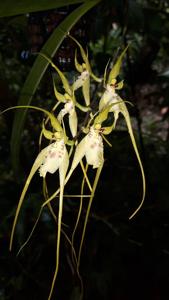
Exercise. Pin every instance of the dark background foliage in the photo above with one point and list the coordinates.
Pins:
(121, 259)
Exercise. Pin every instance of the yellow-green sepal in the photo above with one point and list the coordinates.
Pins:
(54, 122)
(85, 58)
(59, 96)
(102, 116)
(47, 133)
(79, 67)
(62, 76)
(105, 73)
(116, 68)
(86, 91)
(81, 107)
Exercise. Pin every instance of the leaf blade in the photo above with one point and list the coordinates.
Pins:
(17, 7)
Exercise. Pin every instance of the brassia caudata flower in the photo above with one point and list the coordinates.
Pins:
(68, 99)
(91, 146)
(55, 154)
(85, 71)
(69, 108)
(87, 146)
(117, 105)
(50, 159)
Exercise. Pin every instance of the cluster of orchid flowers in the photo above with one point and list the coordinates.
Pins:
(66, 153)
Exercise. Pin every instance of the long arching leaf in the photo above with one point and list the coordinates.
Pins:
(16, 7)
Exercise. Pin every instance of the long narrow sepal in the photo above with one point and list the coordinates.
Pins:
(54, 122)
(130, 130)
(62, 174)
(73, 123)
(60, 73)
(86, 60)
(59, 96)
(116, 68)
(86, 91)
(34, 168)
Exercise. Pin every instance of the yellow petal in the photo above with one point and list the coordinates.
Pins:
(59, 96)
(79, 154)
(85, 58)
(79, 68)
(73, 122)
(116, 68)
(107, 97)
(86, 90)
(124, 111)
(64, 167)
(62, 76)
(80, 80)
(47, 134)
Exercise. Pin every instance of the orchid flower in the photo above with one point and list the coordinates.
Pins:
(68, 99)
(85, 71)
(116, 104)
(55, 156)
(110, 96)
(50, 159)
(69, 108)
(91, 146)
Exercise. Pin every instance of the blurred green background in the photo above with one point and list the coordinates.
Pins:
(121, 259)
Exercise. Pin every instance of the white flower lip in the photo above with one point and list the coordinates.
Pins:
(68, 108)
(54, 157)
(109, 97)
(80, 80)
(94, 148)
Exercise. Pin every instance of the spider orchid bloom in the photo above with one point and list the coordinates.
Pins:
(69, 108)
(83, 81)
(91, 146)
(111, 97)
(50, 159)
(54, 156)
(115, 104)
(85, 71)
(94, 148)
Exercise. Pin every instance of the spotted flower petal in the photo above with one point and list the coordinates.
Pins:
(94, 148)
(80, 80)
(69, 108)
(54, 157)
(109, 97)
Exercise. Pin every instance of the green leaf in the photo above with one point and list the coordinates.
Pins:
(17, 7)
(36, 73)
